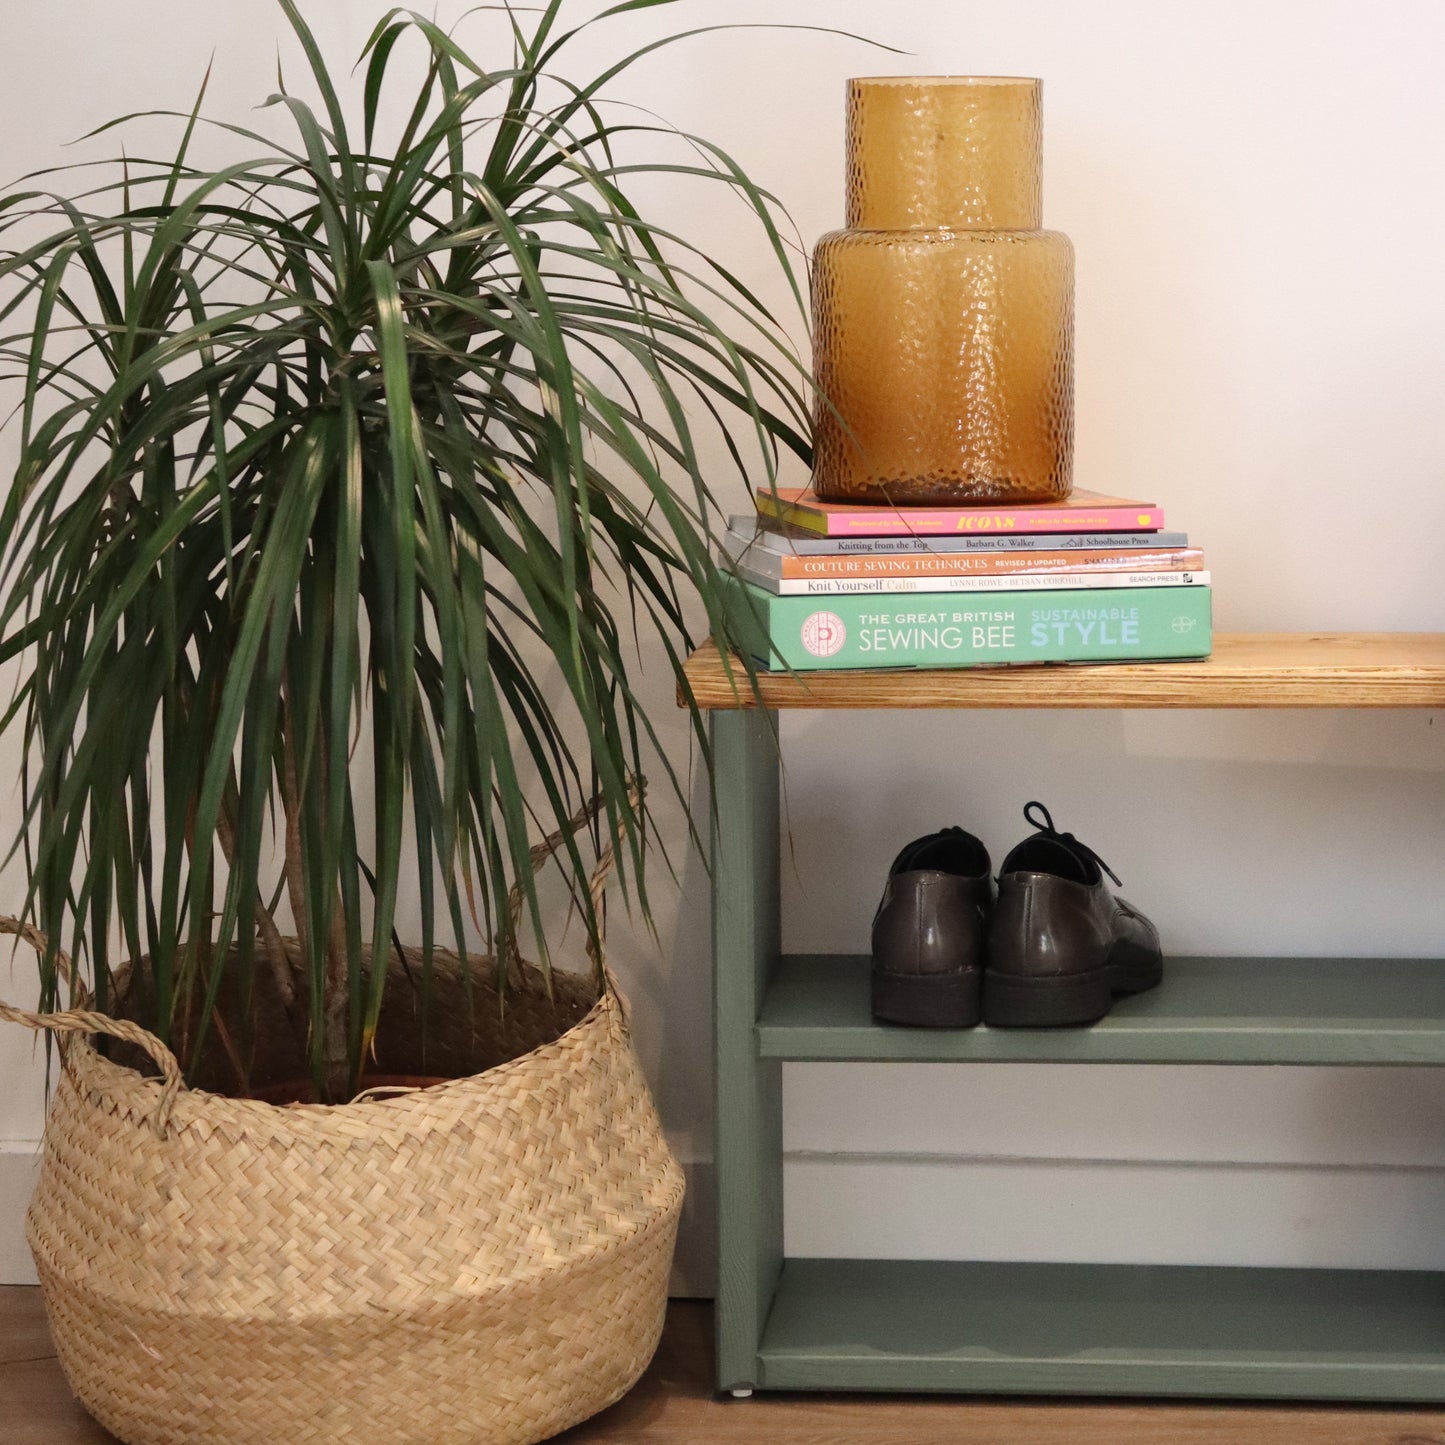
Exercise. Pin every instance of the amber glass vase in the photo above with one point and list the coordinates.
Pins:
(943, 314)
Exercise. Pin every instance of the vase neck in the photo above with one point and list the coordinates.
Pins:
(945, 152)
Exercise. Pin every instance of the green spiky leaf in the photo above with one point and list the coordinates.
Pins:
(362, 483)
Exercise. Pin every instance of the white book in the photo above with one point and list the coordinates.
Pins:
(750, 532)
(1006, 582)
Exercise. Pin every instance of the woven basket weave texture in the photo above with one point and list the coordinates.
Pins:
(485, 1260)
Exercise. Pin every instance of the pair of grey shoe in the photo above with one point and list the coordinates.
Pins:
(1052, 948)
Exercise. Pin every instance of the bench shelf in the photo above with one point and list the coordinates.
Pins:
(1033, 1328)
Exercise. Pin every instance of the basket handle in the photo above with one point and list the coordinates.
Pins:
(84, 1021)
(597, 884)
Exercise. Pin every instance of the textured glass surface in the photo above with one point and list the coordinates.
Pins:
(943, 317)
(959, 151)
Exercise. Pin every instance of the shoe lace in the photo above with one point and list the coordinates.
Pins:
(1047, 827)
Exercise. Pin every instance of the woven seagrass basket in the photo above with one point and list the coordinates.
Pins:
(485, 1260)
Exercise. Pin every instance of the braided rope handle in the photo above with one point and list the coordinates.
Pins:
(596, 886)
(541, 852)
(84, 1021)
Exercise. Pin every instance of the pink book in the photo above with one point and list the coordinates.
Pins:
(1081, 511)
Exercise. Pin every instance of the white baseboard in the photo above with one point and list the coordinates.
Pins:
(1114, 1211)
(694, 1267)
(19, 1168)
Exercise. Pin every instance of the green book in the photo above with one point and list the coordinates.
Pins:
(919, 629)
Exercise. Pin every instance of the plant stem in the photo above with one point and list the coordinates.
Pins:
(336, 1062)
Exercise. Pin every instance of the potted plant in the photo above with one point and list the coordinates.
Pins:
(351, 476)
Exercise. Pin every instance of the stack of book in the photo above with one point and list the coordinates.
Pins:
(1089, 579)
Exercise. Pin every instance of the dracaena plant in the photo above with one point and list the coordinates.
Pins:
(354, 481)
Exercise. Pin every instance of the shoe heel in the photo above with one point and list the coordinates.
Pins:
(927, 1000)
(1035, 1003)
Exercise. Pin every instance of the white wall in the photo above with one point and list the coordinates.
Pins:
(1256, 193)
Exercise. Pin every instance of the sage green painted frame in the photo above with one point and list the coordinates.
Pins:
(1117, 1329)
(746, 946)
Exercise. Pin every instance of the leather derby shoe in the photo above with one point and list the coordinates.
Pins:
(1061, 945)
(930, 930)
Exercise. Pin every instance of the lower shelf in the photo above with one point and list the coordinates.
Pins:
(842, 1324)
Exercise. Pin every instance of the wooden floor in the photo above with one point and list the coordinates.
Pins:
(675, 1405)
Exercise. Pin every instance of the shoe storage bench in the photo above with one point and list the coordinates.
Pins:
(836, 1324)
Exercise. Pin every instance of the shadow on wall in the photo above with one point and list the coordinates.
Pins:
(1293, 833)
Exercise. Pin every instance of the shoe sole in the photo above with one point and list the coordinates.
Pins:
(1012, 1001)
(927, 1000)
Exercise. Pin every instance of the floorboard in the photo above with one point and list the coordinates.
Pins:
(674, 1404)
